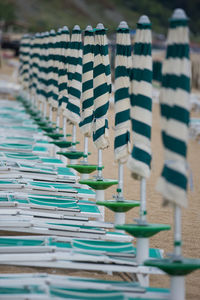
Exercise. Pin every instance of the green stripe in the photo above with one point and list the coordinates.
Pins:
(88, 49)
(178, 51)
(143, 26)
(100, 131)
(121, 71)
(88, 103)
(101, 111)
(174, 177)
(141, 128)
(178, 23)
(122, 140)
(74, 92)
(175, 145)
(141, 101)
(144, 48)
(141, 155)
(176, 82)
(121, 94)
(124, 50)
(88, 85)
(88, 67)
(122, 116)
(141, 75)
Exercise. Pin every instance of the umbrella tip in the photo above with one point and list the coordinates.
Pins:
(88, 28)
(144, 20)
(76, 27)
(52, 31)
(123, 24)
(65, 28)
(100, 26)
(179, 14)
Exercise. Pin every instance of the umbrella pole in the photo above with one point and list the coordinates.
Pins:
(85, 157)
(73, 161)
(177, 282)
(50, 113)
(120, 217)
(100, 193)
(143, 243)
(64, 126)
(45, 109)
(58, 119)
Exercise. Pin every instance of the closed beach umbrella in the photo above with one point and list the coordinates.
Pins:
(174, 102)
(87, 87)
(123, 63)
(72, 111)
(62, 72)
(141, 101)
(102, 88)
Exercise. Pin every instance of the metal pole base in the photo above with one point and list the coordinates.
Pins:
(120, 219)
(84, 176)
(177, 288)
(100, 197)
(142, 250)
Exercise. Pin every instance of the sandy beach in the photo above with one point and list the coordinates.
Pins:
(156, 212)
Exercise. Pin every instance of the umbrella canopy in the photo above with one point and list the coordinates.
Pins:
(24, 57)
(72, 111)
(35, 64)
(174, 102)
(51, 65)
(87, 88)
(123, 64)
(62, 72)
(141, 101)
(102, 88)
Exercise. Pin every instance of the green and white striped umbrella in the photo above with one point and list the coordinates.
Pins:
(87, 87)
(102, 88)
(35, 65)
(62, 72)
(24, 59)
(51, 66)
(174, 101)
(123, 63)
(72, 111)
(141, 101)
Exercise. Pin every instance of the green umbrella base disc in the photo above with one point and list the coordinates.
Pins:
(63, 144)
(99, 184)
(143, 231)
(54, 135)
(119, 206)
(84, 169)
(48, 129)
(175, 268)
(72, 154)
(43, 123)
(38, 119)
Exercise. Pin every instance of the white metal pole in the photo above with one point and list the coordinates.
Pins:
(177, 231)
(50, 113)
(45, 109)
(177, 288)
(85, 157)
(120, 180)
(58, 119)
(64, 126)
(84, 176)
(120, 219)
(143, 200)
(99, 163)
(41, 105)
(100, 197)
(74, 138)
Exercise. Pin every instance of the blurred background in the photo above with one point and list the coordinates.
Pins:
(21, 16)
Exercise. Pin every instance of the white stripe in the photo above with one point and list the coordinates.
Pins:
(183, 67)
(142, 62)
(178, 35)
(141, 87)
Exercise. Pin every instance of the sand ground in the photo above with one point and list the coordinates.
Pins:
(156, 212)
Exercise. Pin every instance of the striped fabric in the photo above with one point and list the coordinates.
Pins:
(24, 61)
(87, 88)
(141, 101)
(123, 62)
(62, 72)
(35, 61)
(102, 88)
(72, 111)
(51, 77)
(174, 104)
